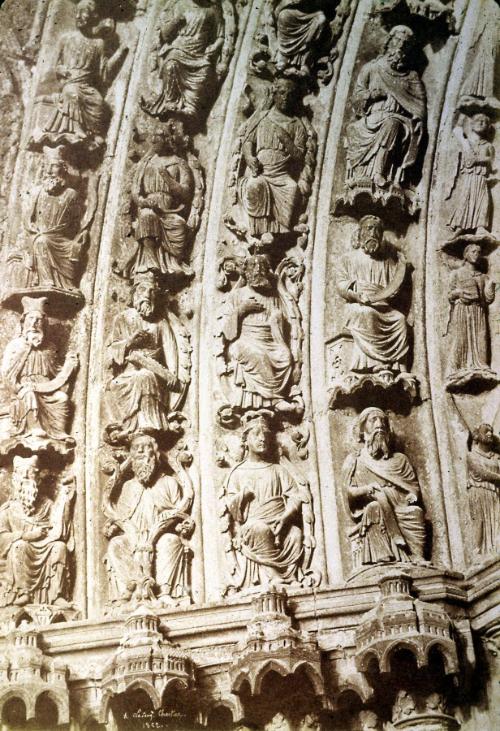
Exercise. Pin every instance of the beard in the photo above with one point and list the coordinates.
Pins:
(377, 444)
(53, 183)
(144, 469)
(26, 491)
(34, 337)
(145, 308)
(370, 246)
(396, 58)
(259, 282)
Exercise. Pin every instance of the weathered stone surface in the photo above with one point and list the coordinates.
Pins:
(249, 348)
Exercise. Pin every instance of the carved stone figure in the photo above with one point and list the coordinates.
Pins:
(36, 538)
(404, 706)
(389, 99)
(148, 359)
(259, 330)
(39, 402)
(195, 42)
(383, 494)
(148, 527)
(270, 513)
(279, 722)
(483, 485)
(55, 223)
(276, 168)
(83, 70)
(470, 293)
(470, 192)
(163, 192)
(368, 721)
(311, 722)
(369, 277)
(298, 31)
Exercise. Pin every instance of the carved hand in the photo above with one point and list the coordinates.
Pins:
(249, 307)
(72, 359)
(255, 166)
(110, 530)
(377, 94)
(411, 499)
(36, 533)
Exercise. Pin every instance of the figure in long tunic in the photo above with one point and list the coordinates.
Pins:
(254, 328)
(83, 70)
(470, 294)
(191, 39)
(274, 144)
(369, 277)
(40, 404)
(143, 349)
(384, 143)
(147, 525)
(265, 504)
(36, 538)
(383, 491)
(162, 191)
(483, 485)
(297, 32)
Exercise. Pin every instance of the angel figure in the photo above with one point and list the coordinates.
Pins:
(470, 192)
(194, 46)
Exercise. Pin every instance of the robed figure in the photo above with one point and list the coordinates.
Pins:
(390, 101)
(483, 489)
(369, 278)
(298, 31)
(383, 494)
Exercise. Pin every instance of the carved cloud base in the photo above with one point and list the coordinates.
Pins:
(59, 299)
(364, 192)
(428, 722)
(477, 377)
(37, 443)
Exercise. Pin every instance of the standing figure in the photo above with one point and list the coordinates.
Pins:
(162, 191)
(470, 294)
(39, 402)
(54, 223)
(470, 192)
(190, 55)
(369, 277)
(483, 485)
(257, 331)
(269, 524)
(144, 355)
(384, 142)
(383, 494)
(278, 153)
(36, 538)
(148, 527)
(298, 31)
(83, 71)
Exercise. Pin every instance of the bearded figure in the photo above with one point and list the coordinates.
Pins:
(36, 538)
(257, 331)
(369, 278)
(145, 357)
(148, 527)
(483, 486)
(83, 70)
(383, 494)
(40, 404)
(383, 144)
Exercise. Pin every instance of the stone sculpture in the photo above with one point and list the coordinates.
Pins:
(369, 278)
(36, 539)
(164, 189)
(58, 237)
(260, 330)
(298, 32)
(279, 722)
(368, 721)
(148, 525)
(383, 494)
(385, 140)
(310, 722)
(149, 358)
(404, 706)
(195, 44)
(470, 294)
(483, 486)
(83, 70)
(39, 404)
(274, 163)
(470, 191)
(269, 511)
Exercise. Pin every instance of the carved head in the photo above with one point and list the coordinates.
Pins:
(25, 481)
(370, 234)
(368, 721)
(472, 253)
(33, 320)
(279, 722)
(145, 290)
(480, 124)
(373, 429)
(398, 46)
(258, 437)
(55, 177)
(284, 93)
(258, 272)
(310, 722)
(483, 435)
(145, 457)
(86, 15)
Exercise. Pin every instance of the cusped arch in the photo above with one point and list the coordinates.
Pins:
(312, 674)
(138, 684)
(361, 689)
(364, 661)
(18, 693)
(60, 700)
(242, 678)
(397, 646)
(269, 666)
(448, 657)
